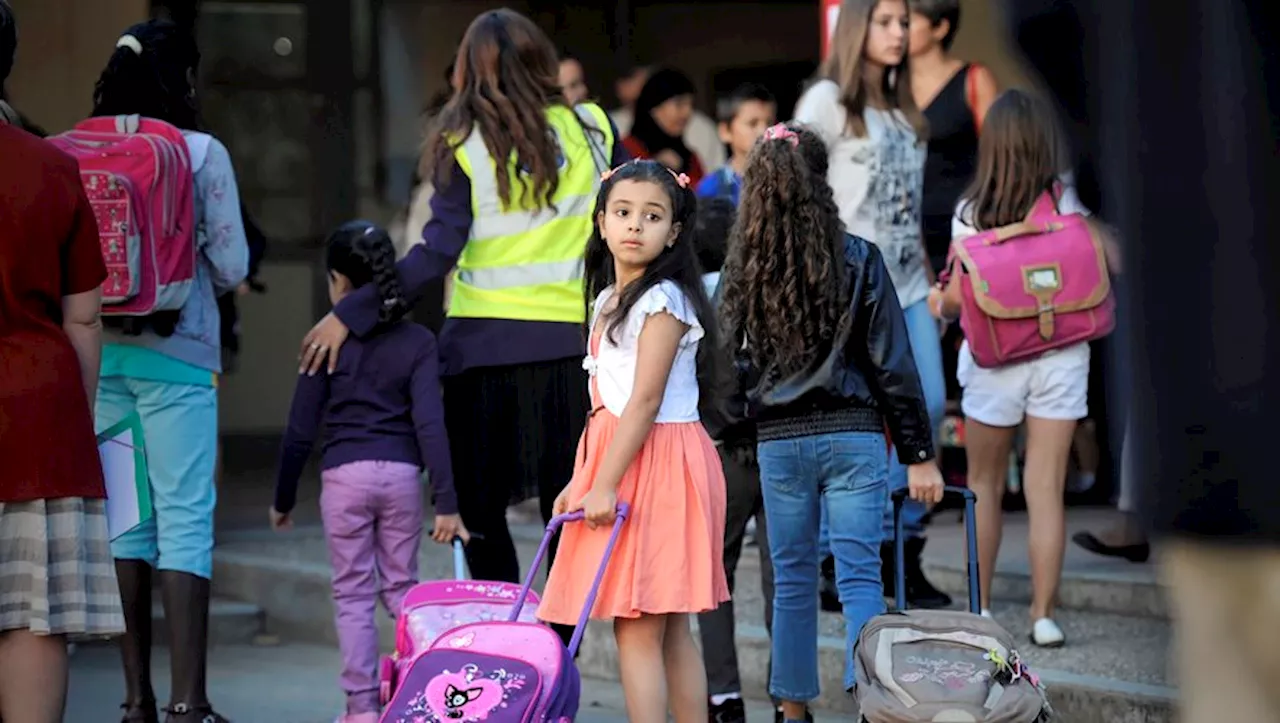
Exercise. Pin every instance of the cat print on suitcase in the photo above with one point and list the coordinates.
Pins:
(457, 686)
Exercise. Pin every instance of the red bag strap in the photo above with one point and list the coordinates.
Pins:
(944, 276)
(1047, 205)
(971, 95)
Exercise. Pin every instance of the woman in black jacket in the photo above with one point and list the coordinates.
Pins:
(826, 367)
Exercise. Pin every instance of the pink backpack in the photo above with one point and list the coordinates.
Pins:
(137, 173)
(1032, 287)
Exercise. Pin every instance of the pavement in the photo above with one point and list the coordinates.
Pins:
(292, 683)
(1113, 669)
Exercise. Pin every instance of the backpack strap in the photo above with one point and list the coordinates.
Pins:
(198, 148)
(1046, 206)
(971, 94)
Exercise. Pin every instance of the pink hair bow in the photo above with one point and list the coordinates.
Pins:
(780, 132)
(681, 179)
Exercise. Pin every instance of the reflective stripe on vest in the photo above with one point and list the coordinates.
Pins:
(522, 261)
(522, 275)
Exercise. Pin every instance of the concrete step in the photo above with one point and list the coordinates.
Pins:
(1089, 582)
(1113, 669)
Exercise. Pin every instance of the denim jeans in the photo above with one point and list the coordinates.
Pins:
(844, 474)
(926, 349)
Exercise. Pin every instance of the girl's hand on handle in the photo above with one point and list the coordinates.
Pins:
(321, 345)
(924, 483)
(561, 505)
(599, 506)
(280, 521)
(448, 527)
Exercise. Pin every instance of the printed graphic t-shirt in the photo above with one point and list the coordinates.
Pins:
(878, 182)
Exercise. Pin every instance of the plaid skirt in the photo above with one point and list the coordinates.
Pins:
(57, 576)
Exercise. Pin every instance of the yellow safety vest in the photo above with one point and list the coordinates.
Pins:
(523, 261)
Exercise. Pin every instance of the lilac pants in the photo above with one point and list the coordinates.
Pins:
(373, 521)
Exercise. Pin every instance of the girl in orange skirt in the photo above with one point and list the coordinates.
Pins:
(644, 444)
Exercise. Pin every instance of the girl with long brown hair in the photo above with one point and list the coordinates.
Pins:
(516, 170)
(1018, 164)
(820, 336)
(863, 108)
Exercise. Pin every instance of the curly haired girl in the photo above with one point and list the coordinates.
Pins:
(826, 366)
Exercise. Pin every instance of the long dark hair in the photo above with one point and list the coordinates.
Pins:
(662, 86)
(364, 253)
(844, 67)
(8, 43)
(784, 289)
(155, 83)
(505, 76)
(677, 263)
(1019, 160)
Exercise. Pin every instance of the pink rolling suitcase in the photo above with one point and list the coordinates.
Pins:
(431, 608)
(507, 671)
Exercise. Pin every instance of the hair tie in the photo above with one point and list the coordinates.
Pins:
(130, 42)
(682, 180)
(780, 132)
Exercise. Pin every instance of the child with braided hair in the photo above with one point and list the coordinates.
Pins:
(384, 422)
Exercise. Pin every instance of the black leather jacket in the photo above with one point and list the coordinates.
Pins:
(866, 382)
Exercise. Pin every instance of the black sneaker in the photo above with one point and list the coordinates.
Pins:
(779, 718)
(920, 592)
(730, 711)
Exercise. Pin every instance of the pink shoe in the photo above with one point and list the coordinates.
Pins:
(357, 718)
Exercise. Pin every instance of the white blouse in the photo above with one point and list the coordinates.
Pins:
(613, 367)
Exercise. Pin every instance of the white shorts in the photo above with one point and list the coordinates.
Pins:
(1053, 386)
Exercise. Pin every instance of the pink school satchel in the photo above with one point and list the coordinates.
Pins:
(1032, 287)
(138, 176)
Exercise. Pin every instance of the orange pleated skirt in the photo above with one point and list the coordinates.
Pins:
(670, 555)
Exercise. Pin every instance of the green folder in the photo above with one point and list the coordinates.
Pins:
(124, 468)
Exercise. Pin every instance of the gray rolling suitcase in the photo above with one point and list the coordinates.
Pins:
(936, 666)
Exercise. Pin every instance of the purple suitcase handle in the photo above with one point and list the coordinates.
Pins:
(624, 510)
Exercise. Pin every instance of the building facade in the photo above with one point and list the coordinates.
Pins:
(320, 104)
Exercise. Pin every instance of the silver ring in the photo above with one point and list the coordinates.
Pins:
(315, 345)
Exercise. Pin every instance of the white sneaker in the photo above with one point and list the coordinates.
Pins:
(987, 614)
(1046, 633)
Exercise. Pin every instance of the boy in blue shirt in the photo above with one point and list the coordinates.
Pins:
(743, 116)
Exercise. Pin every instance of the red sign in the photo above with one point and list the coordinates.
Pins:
(830, 12)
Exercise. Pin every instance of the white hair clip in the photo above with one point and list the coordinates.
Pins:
(130, 42)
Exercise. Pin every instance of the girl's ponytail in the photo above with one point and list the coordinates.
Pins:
(375, 250)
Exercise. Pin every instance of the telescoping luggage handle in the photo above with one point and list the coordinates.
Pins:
(459, 560)
(971, 547)
(554, 525)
